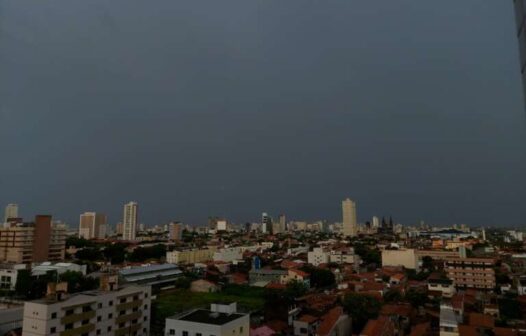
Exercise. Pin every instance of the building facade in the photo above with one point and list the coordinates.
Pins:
(175, 231)
(11, 211)
(220, 320)
(350, 226)
(471, 272)
(129, 221)
(92, 225)
(118, 312)
(190, 256)
(39, 241)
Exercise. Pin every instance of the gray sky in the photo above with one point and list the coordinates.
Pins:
(231, 108)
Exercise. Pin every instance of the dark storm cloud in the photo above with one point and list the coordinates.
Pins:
(195, 108)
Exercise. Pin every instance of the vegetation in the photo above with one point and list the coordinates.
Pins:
(319, 278)
(147, 253)
(369, 255)
(361, 308)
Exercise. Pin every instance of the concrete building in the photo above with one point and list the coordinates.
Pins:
(60, 267)
(220, 320)
(9, 274)
(92, 225)
(375, 224)
(350, 226)
(318, 256)
(175, 231)
(401, 257)
(266, 223)
(129, 221)
(38, 241)
(471, 272)
(11, 211)
(159, 275)
(190, 256)
(449, 321)
(118, 312)
(261, 277)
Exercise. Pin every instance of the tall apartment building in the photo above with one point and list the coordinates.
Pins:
(220, 320)
(92, 225)
(471, 272)
(129, 221)
(350, 226)
(11, 211)
(266, 223)
(39, 241)
(108, 311)
(175, 231)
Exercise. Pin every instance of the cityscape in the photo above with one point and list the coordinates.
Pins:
(260, 168)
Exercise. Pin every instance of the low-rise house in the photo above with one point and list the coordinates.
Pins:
(264, 276)
(436, 283)
(296, 275)
(219, 320)
(334, 323)
(203, 286)
(383, 326)
(306, 325)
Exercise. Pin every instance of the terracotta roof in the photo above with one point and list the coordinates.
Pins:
(421, 329)
(481, 320)
(329, 321)
(396, 309)
(466, 330)
(505, 332)
(382, 326)
(308, 318)
(373, 286)
(398, 276)
(300, 273)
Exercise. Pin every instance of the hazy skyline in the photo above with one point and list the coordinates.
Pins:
(233, 108)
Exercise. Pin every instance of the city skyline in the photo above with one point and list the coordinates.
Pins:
(408, 116)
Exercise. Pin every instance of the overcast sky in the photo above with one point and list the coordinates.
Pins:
(231, 108)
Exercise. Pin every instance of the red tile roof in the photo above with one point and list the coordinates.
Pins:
(481, 320)
(382, 326)
(329, 321)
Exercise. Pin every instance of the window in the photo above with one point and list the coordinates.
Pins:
(110, 315)
(240, 329)
(110, 303)
(172, 332)
(69, 312)
(146, 318)
(123, 300)
(68, 326)
(99, 305)
(185, 333)
(135, 297)
(84, 322)
(145, 307)
(109, 328)
(53, 330)
(53, 315)
(121, 325)
(86, 309)
(303, 330)
(99, 318)
(98, 331)
(198, 334)
(122, 312)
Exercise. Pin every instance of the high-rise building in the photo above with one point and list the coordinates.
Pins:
(11, 211)
(266, 223)
(175, 231)
(520, 19)
(375, 222)
(92, 225)
(129, 221)
(38, 241)
(350, 227)
(282, 223)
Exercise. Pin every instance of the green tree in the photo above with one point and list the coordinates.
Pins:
(361, 308)
(319, 278)
(393, 295)
(77, 282)
(416, 298)
(295, 289)
(23, 283)
(115, 253)
(89, 253)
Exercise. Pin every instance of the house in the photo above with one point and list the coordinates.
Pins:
(382, 326)
(203, 286)
(397, 279)
(296, 275)
(334, 323)
(436, 283)
(305, 325)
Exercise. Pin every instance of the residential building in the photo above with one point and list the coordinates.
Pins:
(334, 323)
(129, 221)
(444, 286)
(382, 326)
(306, 325)
(59, 268)
(119, 312)
(261, 277)
(321, 255)
(471, 272)
(9, 274)
(350, 226)
(11, 211)
(295, 275)
(190, 256)
(38, 241)
(119, 228)
(266, 223)
(400, 257)
(449, 320)
(318, 256)
(92, 225)
(220, 320)
(175, 231)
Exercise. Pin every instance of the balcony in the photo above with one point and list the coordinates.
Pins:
(129, 305)
(127, 330)
(77, 317)
(87, 328)
(128, 317)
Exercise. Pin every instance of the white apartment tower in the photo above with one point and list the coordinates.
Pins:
(350, 227)
(129, 222)
(92, 225)
(11, 211)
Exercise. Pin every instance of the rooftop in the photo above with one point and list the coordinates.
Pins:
(209, 317)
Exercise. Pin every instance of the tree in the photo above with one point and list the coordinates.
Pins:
(157, 251)
(115, 253)
(23, 282)
(295, 289)
(319, 278)
(77, 282)
(393, 295)
(361, 308)
(416, 298)
(78, 242)
(89, 253)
